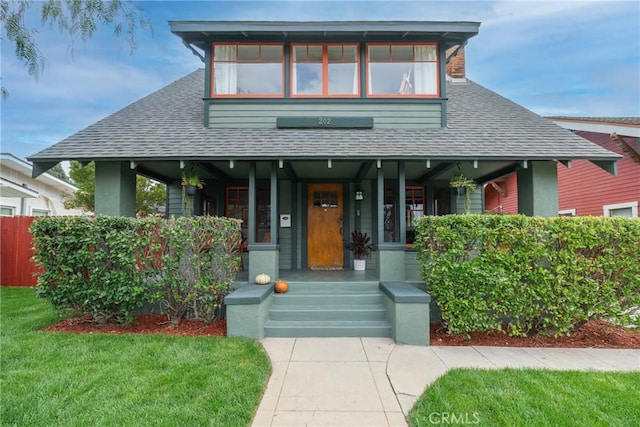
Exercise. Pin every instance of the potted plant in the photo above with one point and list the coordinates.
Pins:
(463, 186)
(191, 184)
(361, 247)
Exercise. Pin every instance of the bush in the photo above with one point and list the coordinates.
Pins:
(110, 266)
(199, 263)
(92, 265)
(535, 274)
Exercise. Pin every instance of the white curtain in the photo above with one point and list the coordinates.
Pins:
(294, 74)
(226, 73)
(425, 73)
(355, 78)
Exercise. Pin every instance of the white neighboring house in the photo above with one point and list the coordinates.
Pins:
(21, 195)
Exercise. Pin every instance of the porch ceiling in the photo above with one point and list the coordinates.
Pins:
(309, 170)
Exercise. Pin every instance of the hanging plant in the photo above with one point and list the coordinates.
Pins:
(193, 180)
(463, 186)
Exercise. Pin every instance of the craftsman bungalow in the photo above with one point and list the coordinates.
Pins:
(310, 130)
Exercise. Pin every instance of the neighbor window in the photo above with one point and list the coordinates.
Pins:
(39, 212)
(324, 70)
(248, 70)
(629, 209)
(402, 70)
(567, 212)
(6, 211)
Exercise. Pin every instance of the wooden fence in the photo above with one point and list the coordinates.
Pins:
(16, 268)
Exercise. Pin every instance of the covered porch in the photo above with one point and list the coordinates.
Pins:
(298, 214)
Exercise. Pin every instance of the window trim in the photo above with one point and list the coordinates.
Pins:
(606, 209)
(567, 212)
(212, 82)
(398, 95)
(47, 211)
(325, 71)
(11, 208)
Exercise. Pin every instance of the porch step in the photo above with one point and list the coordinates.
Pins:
(336, 312)
(328, 309)
(327, 328)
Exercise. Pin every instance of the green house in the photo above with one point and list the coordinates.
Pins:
(308, 131)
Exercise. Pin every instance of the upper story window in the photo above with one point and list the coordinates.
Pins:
(248, 70)
(325, 70)
(403, 70)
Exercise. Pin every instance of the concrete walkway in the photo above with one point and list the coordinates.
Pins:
(374, 382)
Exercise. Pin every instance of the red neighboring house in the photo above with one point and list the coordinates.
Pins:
(584, 188)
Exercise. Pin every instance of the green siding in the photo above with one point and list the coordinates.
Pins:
(411, 266)
(475, 206)
(264, 115)
(285, 234)
(174, 200)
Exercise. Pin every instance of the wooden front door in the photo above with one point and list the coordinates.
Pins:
(325, 244)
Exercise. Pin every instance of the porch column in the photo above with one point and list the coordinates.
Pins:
(263, 257)
(402, 202)
(390, 256)
(538, 189)
(115, 191)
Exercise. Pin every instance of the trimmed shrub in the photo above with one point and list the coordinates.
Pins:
(199, 264)
(92, 265)
(110, 266)
(535, 274)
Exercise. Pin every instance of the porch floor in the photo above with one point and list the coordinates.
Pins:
(318, 276)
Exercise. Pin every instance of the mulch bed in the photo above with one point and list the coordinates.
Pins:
(145, 324)
(595, 333)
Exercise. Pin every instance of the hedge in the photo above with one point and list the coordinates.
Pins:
(111, 266)
(536, 275)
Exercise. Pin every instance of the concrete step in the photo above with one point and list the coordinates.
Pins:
(320, 298)
(358, 312)
(333, 286)
(296, 329)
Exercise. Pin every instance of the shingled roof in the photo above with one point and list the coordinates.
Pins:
(168, 124)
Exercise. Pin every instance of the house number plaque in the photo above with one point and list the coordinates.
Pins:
(324, 122)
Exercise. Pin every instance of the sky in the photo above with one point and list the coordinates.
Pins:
(556, 58)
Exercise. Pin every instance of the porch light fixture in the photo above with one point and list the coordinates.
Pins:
(359, 195)
(280, 164)
(329, 164)
(231, 164)
(475, 164)
(378, 163)
(428, 163)
(525, 164)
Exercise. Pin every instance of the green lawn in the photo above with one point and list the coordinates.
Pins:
(59, 379)
(530, 397)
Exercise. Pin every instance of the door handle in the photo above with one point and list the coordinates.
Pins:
(341, 223)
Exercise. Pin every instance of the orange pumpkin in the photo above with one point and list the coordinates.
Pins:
(281, 286)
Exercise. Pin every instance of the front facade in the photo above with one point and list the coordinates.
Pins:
(22, 195)
(583, 188)
(308, 131)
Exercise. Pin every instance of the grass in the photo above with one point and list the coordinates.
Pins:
(65, 379)
(530, 397)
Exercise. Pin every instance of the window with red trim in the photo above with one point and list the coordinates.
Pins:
(241, 69)
(414, 209)
(325, 70)
(237, 206)
(403, 70)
